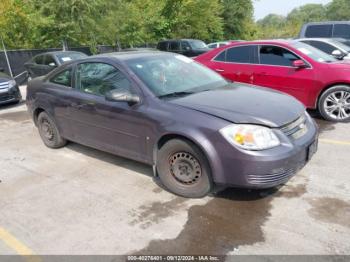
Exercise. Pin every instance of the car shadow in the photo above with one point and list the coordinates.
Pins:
(111, 159)
(322, 124)
(12, 105)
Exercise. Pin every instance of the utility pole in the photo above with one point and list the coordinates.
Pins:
(7, 59)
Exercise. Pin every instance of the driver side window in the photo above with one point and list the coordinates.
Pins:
(100, 78)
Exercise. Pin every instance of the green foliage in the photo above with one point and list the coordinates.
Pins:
(275, 26)
(127, 23)
(238, 19)
(339, 10)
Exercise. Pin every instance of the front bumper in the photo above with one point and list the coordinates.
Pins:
(267, 168)
(10, 95)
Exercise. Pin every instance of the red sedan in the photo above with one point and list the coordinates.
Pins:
(315, 78)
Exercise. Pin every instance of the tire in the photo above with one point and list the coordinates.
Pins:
(183, 169)
(49, 133)
(334, 104)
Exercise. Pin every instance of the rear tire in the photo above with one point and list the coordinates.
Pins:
(183, 169)
(49, 133)
(334, 104)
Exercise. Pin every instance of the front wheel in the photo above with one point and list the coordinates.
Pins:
(49, 132)
(183, 169)
(334, 104)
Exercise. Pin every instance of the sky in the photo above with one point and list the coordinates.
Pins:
(281, 7)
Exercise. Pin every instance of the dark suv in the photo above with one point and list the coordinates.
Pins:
(187, 47)
(330, 29)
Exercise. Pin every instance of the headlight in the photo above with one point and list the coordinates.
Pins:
(12, 83)
(250, 137)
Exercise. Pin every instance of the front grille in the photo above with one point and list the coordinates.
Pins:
(296, 129)
(6, 97)
(4, 85)
(278, 177)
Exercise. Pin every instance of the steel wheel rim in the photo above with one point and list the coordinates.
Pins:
(185, 168)
(47, 130)
(337, 105)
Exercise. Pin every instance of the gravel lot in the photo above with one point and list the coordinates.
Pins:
(78, 200)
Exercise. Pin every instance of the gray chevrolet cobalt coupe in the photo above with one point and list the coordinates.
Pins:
(196, 129)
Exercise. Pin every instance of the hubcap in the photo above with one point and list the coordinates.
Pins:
(337, 105)
(185, 168)
(47, 130)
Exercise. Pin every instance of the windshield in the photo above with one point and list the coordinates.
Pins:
(196, 44)
(313, 53)
(175, 74)
(65, 57)
(340, 45)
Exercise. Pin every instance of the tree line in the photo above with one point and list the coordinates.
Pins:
(128, 23)
(278, 26)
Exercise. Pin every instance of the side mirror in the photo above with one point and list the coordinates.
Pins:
(338, 54)
(299, 64)
(122, 96)
(2, 69)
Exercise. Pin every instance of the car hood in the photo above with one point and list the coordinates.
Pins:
(239, 103)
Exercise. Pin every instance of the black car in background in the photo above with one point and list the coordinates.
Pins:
(187, 47)
(9, 91)
(44, 63)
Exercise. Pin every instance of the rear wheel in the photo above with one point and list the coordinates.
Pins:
(183, 169)
(49, 132)
(334, 104)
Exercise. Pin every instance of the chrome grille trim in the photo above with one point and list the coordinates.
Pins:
(4, 85)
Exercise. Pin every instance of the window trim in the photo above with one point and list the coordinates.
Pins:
(132, 88)
(258, 56)
(236, 63)
(301, 58)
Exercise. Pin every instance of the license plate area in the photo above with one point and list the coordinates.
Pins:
(312, 149)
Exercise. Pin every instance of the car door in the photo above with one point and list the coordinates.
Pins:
(275, 70)
(236, 63)
(116, 127)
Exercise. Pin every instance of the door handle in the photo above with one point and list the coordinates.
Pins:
(219, 70)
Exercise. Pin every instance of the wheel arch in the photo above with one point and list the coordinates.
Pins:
(209, 153)
(36, 113)
(328, 87)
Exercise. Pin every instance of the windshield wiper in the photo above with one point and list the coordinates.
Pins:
(176, 94)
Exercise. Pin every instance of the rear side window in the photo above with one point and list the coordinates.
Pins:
(275, 55)
(174, 46)
(341, 31)
(163, 46)
(327, 48)
(319, 31)
(221, 57)
(64, 78)
(212, 46)
(240, 54)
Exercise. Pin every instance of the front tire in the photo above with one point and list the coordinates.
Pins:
(49, 133)
(183, 169)
(334, 104)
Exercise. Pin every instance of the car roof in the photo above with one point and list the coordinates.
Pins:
(124, 56)
(327, 23)
(182, 39)
(317, 39)
(59, 53)
(262, 42)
